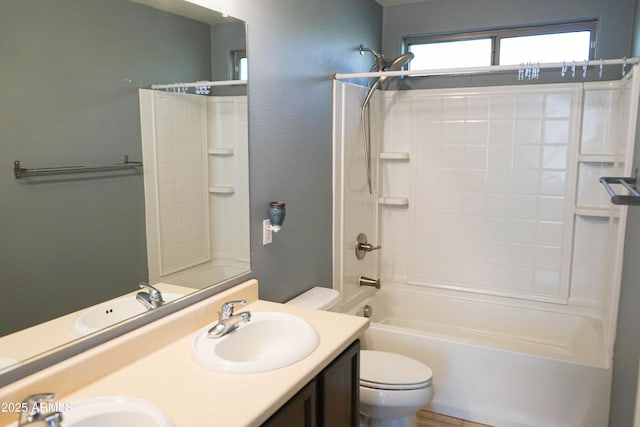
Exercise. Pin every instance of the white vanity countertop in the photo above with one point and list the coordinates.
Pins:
(193, 396)
(154, 363)
(45, 336)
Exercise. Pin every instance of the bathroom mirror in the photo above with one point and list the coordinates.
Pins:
(72, 70)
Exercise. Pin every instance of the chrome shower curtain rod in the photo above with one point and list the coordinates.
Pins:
(489, 69)
(200, 84)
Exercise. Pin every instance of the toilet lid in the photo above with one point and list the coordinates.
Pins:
(391, 371)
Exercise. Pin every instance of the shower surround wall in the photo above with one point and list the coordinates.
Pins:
(196, 146)
(491, 195)
(353, 209)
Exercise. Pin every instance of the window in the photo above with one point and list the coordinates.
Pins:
(239, 64)
(553, 43)
(451, 54)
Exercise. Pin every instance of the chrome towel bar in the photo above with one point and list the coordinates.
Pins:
(21, 172)
(629, 183)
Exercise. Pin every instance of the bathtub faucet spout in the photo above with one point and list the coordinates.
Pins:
(367, 281)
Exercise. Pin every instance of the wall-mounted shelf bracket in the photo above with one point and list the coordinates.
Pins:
(629, 183)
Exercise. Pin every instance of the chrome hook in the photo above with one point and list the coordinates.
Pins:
(601, 68)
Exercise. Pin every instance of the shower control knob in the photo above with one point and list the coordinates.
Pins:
(362, 246)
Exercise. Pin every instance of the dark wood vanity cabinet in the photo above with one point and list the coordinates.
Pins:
(339, 390)
(332, 399)
(301, 410)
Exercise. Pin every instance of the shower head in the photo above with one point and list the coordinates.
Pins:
(385, 64)
(400, 62)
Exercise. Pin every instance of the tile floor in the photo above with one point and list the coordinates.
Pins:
(431, 419)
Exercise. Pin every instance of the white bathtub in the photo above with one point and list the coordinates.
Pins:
(497, 364)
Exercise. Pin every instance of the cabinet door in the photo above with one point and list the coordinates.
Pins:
(339, 390)
(300, 411)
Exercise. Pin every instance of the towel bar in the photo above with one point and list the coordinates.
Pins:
(632, 199)
(21, 172)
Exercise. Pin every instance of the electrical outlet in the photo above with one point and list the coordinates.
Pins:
(267, 234)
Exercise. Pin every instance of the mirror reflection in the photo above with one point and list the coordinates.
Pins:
(77, 91)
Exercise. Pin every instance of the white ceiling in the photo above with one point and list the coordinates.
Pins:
(188, 10)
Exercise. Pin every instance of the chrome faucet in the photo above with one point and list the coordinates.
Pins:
(36, 411)
(367, 281)
(151, 299)
(227, 320)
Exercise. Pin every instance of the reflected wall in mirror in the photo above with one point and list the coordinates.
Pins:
(71, 71)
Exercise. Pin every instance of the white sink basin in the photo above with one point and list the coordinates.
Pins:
(109, 412)
(111, 312)
(270, 340)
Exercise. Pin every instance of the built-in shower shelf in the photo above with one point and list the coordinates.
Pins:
(398, 155)
(597, 158)
(222, 189)
(221, 151)
(394, 201)
(595, 211)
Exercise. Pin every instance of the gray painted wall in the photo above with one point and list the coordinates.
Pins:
(294, 49)
(451, 16)
(616, 31)
(70, 76)
(627, 348)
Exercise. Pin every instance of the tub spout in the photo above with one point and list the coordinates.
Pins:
(367, 281)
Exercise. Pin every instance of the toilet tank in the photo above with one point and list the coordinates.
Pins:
(318, 298)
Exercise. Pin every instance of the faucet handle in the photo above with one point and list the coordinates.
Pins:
(154, 293)
(32, 406)
(229, 306)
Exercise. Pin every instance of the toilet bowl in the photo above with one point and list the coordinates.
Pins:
(393, 387)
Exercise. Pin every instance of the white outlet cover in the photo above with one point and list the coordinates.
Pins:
(267, 234)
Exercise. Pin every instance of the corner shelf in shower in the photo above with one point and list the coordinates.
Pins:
(596, 158)
(222, 189)
(398, 201)
(595, 212)
(400, 155)
(221, 151)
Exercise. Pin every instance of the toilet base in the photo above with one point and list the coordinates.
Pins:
(410, 421)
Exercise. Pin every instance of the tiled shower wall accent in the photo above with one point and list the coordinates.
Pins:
(183, 211)
(228, 161)
(500, 183)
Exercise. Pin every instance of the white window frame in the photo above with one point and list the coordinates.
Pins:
(237, 56)
(497, 35)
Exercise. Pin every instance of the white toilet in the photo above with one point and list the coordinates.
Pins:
(393, 387)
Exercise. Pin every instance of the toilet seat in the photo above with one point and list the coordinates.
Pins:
(389, 371)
